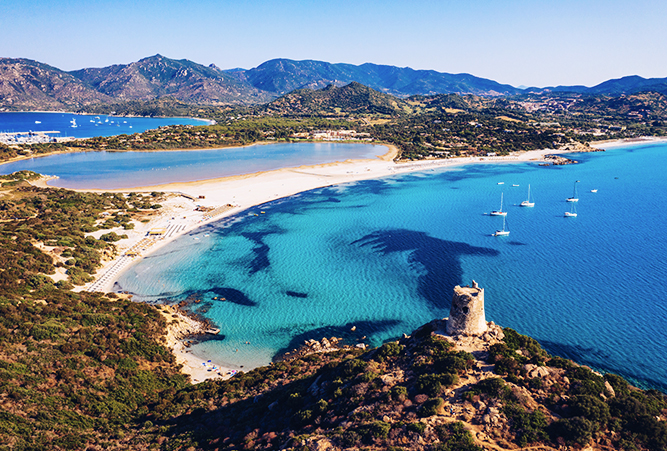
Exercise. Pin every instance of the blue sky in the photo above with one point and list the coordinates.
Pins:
(532, 43)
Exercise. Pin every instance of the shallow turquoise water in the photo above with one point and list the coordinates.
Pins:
(383, 255)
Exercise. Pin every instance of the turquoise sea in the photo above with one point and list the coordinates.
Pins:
(86, 126)
(383, 255)
(110, 170)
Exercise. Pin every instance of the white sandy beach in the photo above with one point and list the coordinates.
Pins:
(610, 144)
(231, 195)
(179, 327)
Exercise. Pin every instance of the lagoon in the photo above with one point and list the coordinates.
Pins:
(116, 170)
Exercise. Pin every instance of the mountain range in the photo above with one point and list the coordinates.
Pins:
(30, 85)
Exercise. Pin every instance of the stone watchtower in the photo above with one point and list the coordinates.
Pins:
(466, 315)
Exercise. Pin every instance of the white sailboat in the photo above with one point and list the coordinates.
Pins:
(527, 202)
(504, 231)
(572, 213)
(499, 212)
(574, 197)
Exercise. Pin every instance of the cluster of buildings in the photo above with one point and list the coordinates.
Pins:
(333, 135)
(31, 138)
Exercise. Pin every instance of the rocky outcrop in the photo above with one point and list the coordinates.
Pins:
(576, 146)
(557, 160)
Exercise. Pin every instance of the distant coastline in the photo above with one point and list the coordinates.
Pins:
(210, 121)
(17, 127)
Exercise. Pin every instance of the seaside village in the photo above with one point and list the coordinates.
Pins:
(30, 137)
(42, 137)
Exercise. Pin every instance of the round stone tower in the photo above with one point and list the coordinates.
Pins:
(466, 315)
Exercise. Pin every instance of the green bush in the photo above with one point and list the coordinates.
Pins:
(528, 427)
(452, 362)
(620, 385)
(388, 350)
(573, 430)
(592, 408)
(431, 407)
(353, 367)
(585, 381)
(429, 384)
(417, 427)
(494, 387)
(302, 417)
(50, 330)
(398, 393)
(454, 437)
(110, 237)
(375, 430)
(349, 439)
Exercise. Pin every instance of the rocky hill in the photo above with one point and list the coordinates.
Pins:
(29, 85)
(428, 391)
(353, 98)
(158, 76)
(283, 75)
(632, 84)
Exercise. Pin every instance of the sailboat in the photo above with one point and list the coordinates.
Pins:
(574, 197)
(502, 232)
(527, 202)
(499, 212)
(572, 213)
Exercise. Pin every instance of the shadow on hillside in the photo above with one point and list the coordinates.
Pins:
(345, 332)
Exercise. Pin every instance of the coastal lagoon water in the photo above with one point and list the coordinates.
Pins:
(110, 170)
(383, 255)
(86, 126)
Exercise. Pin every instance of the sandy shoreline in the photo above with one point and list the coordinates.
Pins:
(231, 195)
(612, 143)
(180, 327)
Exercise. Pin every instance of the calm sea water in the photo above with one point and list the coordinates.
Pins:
(384, 255)
(85, 126)
(109, 170)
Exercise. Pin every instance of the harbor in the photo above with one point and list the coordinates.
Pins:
(30, 137)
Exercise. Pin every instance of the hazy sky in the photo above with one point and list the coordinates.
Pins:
(531, 42)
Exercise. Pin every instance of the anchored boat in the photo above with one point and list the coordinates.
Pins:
(527, 202)
(499, 212)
